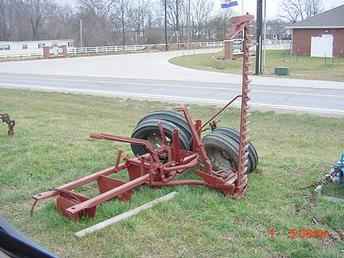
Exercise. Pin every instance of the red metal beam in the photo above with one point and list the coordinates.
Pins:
(108, 195)
(79, 182)
(197, 141)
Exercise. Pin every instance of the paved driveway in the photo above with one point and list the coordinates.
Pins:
(151, 76)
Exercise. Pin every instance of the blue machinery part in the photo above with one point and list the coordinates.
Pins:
(337, 171)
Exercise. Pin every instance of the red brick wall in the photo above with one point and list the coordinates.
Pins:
(302, 40)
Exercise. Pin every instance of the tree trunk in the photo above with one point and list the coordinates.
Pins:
(123, 23)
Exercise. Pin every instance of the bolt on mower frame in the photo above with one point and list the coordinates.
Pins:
(161, 165)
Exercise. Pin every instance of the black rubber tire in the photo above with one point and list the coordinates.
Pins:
(151, 126)
(219, 142)
(228, 140)
(235, 135)
(170, 116)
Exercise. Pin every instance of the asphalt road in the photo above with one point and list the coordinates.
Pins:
(321, 100)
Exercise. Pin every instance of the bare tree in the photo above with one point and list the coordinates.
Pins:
(99, 8)
(37, 10)
(27, 26)
(298, 10)
(108, 22)
(61, 22)
(292, 10)
(97, 25)
(313, 7)
(4, 26)
(119, 16)
(175, 13)
(139, 13)
(201, 11)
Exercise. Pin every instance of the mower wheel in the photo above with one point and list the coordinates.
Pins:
(169, 116)
(149, 130)
(222, 151)
(222, 146)
(235, 135)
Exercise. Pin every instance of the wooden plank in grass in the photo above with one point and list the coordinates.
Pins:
(124, 216)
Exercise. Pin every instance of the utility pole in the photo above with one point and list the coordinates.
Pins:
(177, 22)
(189, 25)
(123, 23)
(264, 38)
(81, 34)
(259, 37)
(166, 42)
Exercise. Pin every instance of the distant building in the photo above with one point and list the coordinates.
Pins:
(277, 30)
(321, 35)
(34, 45)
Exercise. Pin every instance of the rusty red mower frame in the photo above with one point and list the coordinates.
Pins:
(160, 166)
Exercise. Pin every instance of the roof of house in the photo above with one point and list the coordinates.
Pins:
(333, 18)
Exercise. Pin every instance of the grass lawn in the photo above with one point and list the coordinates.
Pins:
(299, 67)
(51, 147)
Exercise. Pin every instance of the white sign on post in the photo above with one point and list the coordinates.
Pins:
(322, 46)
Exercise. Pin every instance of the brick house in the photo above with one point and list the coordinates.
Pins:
(321, 35)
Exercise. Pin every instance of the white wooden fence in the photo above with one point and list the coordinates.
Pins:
(108, 50)
(21, 54)
(277, 44)
(80, 51)
(104, 50)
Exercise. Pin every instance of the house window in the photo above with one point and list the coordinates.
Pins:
(41, 45)
(25, 46)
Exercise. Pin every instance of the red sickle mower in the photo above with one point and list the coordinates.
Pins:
(167, 144)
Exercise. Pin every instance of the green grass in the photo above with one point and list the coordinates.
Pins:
(51, 147)
(301, 67)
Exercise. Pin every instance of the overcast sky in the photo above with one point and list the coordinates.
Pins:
(250, 5)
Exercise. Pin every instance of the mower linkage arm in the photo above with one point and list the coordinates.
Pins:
(213, 117)
(149, 146)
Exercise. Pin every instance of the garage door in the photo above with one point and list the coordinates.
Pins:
(322, 46)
